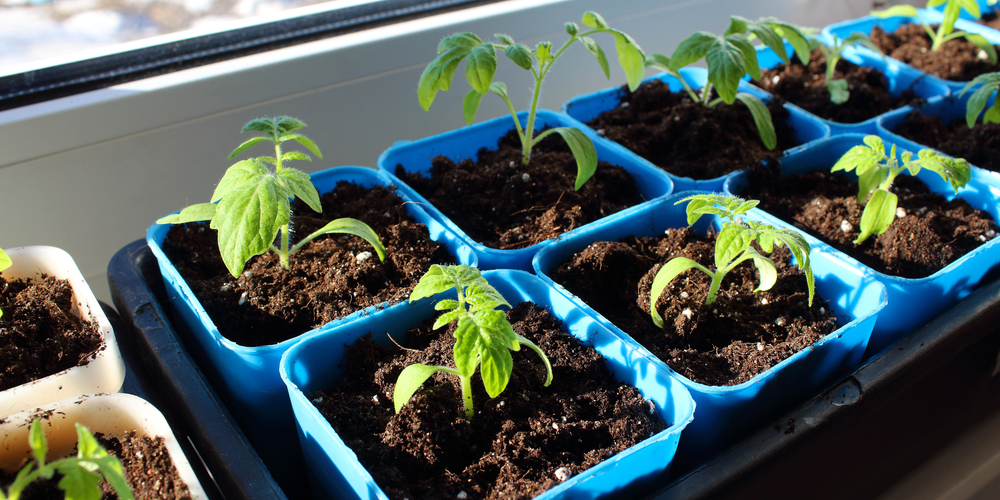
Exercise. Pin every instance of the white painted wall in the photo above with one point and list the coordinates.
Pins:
(90, 173)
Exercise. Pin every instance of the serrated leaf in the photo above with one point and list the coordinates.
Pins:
(594, 20)
(354, 227)
(446, 304)
(79, 483)
(838, 88)
(732, 241)
(896, 10)
(878, 214)
(746, 206)
(977, 101)
(583, 151)
(493, 325)
(305, 142)
(470, 106)
(543, 53)
(495, 368)
(238, 176)
(409, 380)
(984, 44)
(749, 55)
(300, 184)
(194, 213)
(504, 39)
(596, 50)
(465, 353)
(37, 441)
(726, 68)
(440, 278)
(861, 158)
(248, 221)
(663, 277)
(692, 49)
(295, 155)
(439, 72)
(249, 143)
(761, 118)
(520, 54)
(480, 66)
(446, 318)
(955, 171)
(482, 296)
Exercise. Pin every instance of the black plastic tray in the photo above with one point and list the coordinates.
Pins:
(854, 441)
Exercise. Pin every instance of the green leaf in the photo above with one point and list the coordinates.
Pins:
(470, 106)
(896, 10)
(571, 29)
(583, 150)
(248, 221)
(300, 184)
(37, 440)
(193, 213)
(692, 49)
(493, 325)
(439, 72)
(5, 261)
(480, 66)
(500, 89)
(446, 304)
(447, 318)
(731, 242)
(861, 158)
(497, 365)
(79, 483)
(305, 142)
(481, 296)
(410, 379)
(658, 61)
(630, 58)
(726, 67)
(858, 38)
(594, 20)
(955, 171)
(977, 101)
(972, 7)
(111, 469)
(868, 182)
(993, 114)
(761, 118)
(878, 214)
(504, 39)
(239, 176)
(984, 44)
(543, 52)
(440, 278)
(663, 277)
(749, 55)
(295, 155)
(520, 54)
(766, 271)
(838, 89)
(354, 227)
(795, 36)
(465, 352)
(737, 24)
(249, 143)
(595, 49)
(767, 34)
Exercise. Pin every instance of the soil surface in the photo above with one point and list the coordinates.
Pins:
(688, 139)
(992, 19)
(932, 233)
(517, 446)
(729, 342)
(805, 86)
(504, 204)
(40, 330)
(145, 462)
(980, 145)
(956, 60)
(330, 277)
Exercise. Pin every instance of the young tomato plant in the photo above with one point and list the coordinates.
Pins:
(977, 101)
(837, 87)
(733, 246)
(731, 56)
(876, 171)
(251, 204)
(481, 65)
(5, 262)
(484, 336)
(80, 474)
(946, 30)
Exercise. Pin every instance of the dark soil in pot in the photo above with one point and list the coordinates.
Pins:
(331, 277)
(956, 60)
(686, 138)
(146, 463)
(40, 330)
(980, 145)
(932, 233)
(728, 342)
(504, 204)
(517, 445)
(991, 19)
(805, 86)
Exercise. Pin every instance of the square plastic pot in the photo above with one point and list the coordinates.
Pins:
(110, 414)
(727, 414)
(912, 302)
(928, 16)
(314, 363)
(586, 107)
(105, 372)
(900, 78)
(467, 141)
(246, 378)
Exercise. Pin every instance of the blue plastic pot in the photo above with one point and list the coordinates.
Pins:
(466, 142)
(246, 378)
(912, 302)
(900, 78)
(314, 363)
(948, 109)
(585, 108)
(726, 414)
(928, 16)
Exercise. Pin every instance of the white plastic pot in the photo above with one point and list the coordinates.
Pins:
(104, 373)
(110, 414)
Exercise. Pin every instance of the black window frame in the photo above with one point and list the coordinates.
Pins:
(64, 80)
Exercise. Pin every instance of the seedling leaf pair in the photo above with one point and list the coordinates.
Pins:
(838, 88)
(733, 246)
(946, 30)
(483, 337)
(480, 69)
(251, 204)
(877, 170)
(989, 83)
